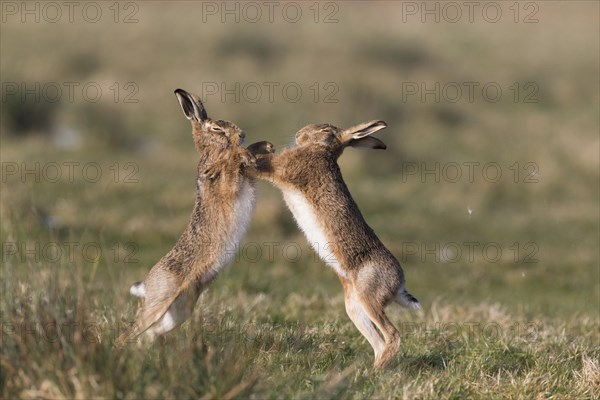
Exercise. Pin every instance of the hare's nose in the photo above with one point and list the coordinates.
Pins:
(242, 135)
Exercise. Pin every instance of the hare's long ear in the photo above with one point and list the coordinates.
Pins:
(368, 142)
(359, 135)
(191, 105)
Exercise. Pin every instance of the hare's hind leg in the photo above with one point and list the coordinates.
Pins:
(161, 290)
(376, 312)
(177, 314)
(374, 291)
(361, 320)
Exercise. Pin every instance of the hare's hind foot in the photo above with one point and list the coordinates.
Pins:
(369, 317)
(144, 332)
(389, 352)
(363, 323)
(140, 341)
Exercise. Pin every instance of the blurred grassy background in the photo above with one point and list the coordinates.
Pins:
(367, 57)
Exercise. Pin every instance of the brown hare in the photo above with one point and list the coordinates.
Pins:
(316, 194)
(225, 199)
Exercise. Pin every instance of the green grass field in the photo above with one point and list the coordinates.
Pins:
(505, 266)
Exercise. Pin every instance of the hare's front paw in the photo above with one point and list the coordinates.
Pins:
(212, 171)
(247, 159)
(261, 148)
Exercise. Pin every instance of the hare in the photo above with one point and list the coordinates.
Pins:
(225, 199)
(316, 194)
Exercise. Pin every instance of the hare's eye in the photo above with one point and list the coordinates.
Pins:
(216, 128)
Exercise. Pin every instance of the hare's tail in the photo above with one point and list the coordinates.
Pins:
(407, 300)
(138, 289)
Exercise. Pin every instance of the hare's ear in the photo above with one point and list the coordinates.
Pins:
(191, 105)
(368, 142)
(359, 135)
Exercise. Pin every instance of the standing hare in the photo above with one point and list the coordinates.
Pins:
(225, 199)
(316, 194)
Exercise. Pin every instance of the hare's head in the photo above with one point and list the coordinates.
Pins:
(207, 131)
(337, 139)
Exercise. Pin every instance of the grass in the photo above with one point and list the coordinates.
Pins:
(59, 344)
(273, 325)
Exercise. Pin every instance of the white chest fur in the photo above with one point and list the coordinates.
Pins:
(243, 209)
(307, 221)
(242, 215)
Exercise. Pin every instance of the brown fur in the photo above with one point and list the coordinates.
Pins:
(371, 276)
(177, 280)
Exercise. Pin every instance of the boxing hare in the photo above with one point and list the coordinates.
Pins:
(225, 199)
(316, 194)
